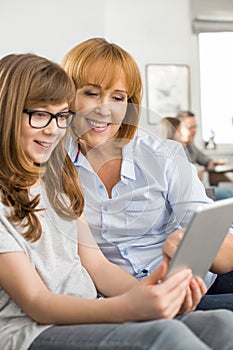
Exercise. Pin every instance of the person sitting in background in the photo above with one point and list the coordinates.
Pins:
(187, 133)
(170, 128)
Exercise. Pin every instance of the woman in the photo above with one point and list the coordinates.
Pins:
(138, 188)
(170, 128)
(49, 275)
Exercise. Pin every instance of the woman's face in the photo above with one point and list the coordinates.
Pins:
(100, 112)
(38, 144)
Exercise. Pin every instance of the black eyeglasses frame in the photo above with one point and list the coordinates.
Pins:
(52, 116)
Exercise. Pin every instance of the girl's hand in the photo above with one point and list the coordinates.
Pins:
(153, 299)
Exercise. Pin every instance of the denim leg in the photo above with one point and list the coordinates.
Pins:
(151, 335)
(216, 301)
(222, 193)
(219, 295)
(213, 327)
(222, 284)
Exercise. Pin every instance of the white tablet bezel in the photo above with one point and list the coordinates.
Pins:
(203, 237)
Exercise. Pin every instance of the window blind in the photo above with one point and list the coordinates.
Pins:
(206, 25)
(211, 15)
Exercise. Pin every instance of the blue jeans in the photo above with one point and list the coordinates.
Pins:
(219, 295)
(193, 331)
(222, 193)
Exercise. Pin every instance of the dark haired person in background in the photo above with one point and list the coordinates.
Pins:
(187, 133)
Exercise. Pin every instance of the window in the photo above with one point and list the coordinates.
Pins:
(216, 85)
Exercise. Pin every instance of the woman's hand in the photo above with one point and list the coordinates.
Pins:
(171, 244)
(197, 287)
(215, 162)
(195, 292)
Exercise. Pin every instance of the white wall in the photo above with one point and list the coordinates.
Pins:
(153, 31)
(48, 27)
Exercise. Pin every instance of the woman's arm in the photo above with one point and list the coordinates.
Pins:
(223, 262)
(185, 190)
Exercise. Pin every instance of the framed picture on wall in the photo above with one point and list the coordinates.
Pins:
(168, 90)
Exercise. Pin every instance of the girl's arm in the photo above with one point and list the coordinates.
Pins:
(109, 279)
(146, 300)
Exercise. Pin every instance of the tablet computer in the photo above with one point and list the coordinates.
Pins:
(203, 238)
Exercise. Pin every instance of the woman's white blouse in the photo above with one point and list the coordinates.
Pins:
(158, 191)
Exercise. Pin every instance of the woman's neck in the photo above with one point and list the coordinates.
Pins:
(106, 161)
(101, 153)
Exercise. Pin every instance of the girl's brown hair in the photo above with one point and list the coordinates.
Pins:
(106, 60)
(30, 81)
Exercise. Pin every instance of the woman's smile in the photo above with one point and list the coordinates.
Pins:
(98, 126)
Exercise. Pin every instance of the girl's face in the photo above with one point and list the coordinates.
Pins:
(100, 112)
(38, 144)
